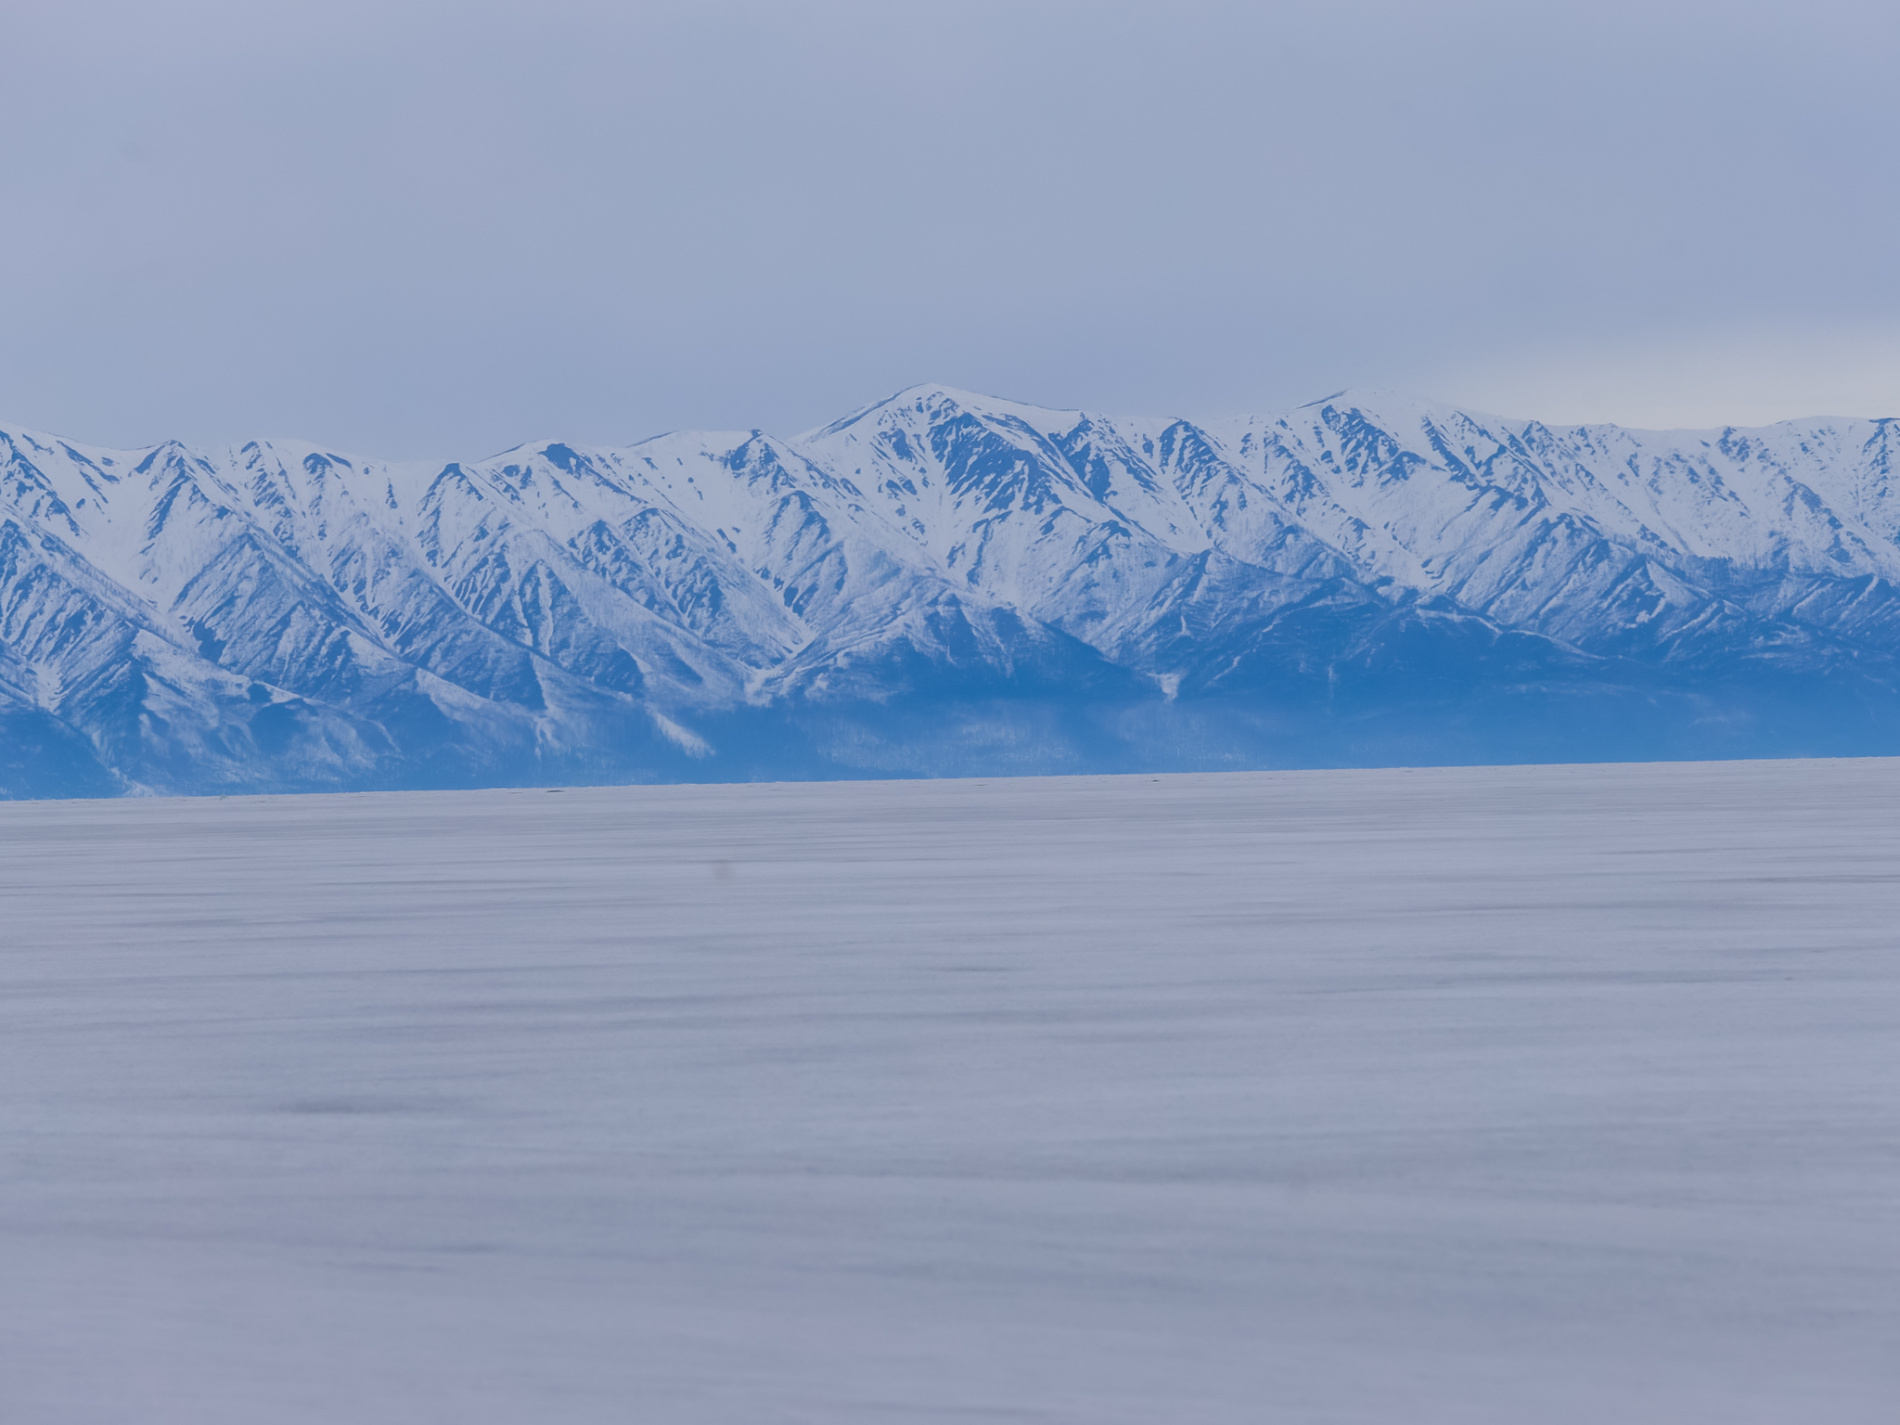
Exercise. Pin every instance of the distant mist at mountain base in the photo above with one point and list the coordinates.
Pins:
(947, 585)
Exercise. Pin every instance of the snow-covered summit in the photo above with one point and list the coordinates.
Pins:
(942, 581)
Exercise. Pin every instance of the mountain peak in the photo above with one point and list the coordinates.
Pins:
(934, 400)
(974, 585)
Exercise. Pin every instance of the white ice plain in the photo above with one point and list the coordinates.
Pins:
(1509, 1095)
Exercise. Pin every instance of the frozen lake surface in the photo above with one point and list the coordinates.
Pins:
(1543, 1095)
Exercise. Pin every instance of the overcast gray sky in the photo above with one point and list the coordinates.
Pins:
(415, 229)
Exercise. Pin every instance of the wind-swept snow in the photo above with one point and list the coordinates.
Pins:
(1480, 1096)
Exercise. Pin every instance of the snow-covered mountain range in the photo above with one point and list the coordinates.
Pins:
(947, 583)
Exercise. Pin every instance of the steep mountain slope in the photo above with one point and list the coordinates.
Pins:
(946, 583)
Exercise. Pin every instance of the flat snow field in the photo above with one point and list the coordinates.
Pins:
(1563, 1094)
